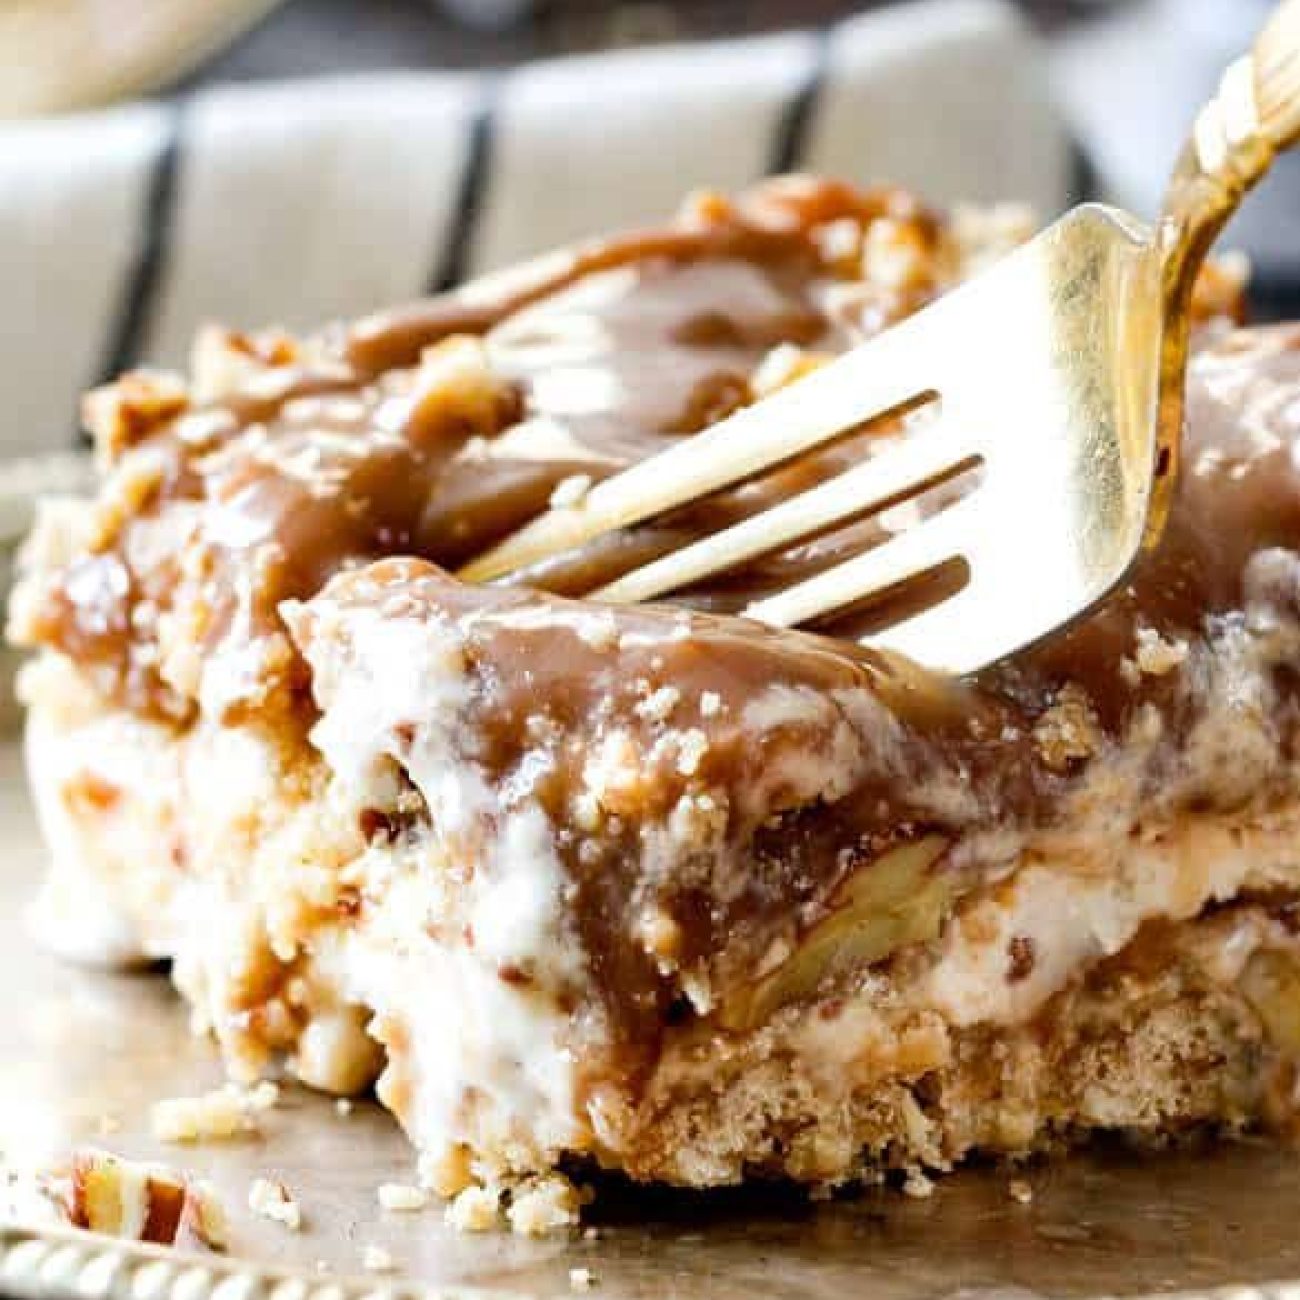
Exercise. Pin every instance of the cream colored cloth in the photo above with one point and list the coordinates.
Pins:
(120, 232)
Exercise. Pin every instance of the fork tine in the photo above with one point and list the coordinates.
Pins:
(932, 454)
(955, 635)
(942, 537)
(868, 382)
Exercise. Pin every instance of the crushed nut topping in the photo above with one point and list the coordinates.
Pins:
(124, 413)
(1157, 656)
(1068, 731)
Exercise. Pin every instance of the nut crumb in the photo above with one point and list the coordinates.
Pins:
(123, 414)
(599, 631)
(1020, 1191)
(586, 811)
(204, 1220)
(343, 1106)
(917, 1185)
(581, 1279)
(541, 729)
(658, 706)
(453, 388)
(659, 935)
(272, 1201)
(896, 254)
(476, 1209)
(264, 1095)
(402, 1197)
(1068, 731)
(698, 990)
(697, 819)
(1156, 656)
(692, 747)
(213, 1116)
(375, 1259)
(544, 1205)
(710, 704)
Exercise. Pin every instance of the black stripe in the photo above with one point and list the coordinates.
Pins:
(790, 143)
(131, 322)
(453, 262)
(1273, 294)
(1085, 184)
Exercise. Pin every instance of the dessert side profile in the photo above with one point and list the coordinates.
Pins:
(656, 889)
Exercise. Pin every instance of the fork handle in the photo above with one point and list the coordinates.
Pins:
(1253, 117)
(1277, 76)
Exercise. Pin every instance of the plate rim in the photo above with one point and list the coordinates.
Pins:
(47, 1262)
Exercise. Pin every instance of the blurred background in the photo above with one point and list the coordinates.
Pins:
(1126, 74)
(158, 40)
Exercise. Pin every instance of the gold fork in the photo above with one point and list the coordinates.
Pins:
(1060, 372)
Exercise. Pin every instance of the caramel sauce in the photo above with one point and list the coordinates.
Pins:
(608, 353)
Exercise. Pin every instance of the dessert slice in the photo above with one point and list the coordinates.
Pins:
(657, 889)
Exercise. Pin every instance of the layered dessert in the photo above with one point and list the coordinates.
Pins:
(660, 890)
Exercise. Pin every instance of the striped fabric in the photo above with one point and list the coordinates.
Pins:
(296, 203)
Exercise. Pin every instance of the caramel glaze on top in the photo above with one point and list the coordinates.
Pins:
(327, 456)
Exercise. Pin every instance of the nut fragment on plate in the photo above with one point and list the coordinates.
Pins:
(271, 1199)
(226, 1112)
(543, 1205)
(401, 1197)
(142, 1202)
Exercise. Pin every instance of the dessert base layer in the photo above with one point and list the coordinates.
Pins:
(236, 854)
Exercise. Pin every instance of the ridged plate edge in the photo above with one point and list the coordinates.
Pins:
(40, 1263)
(66, 1264)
